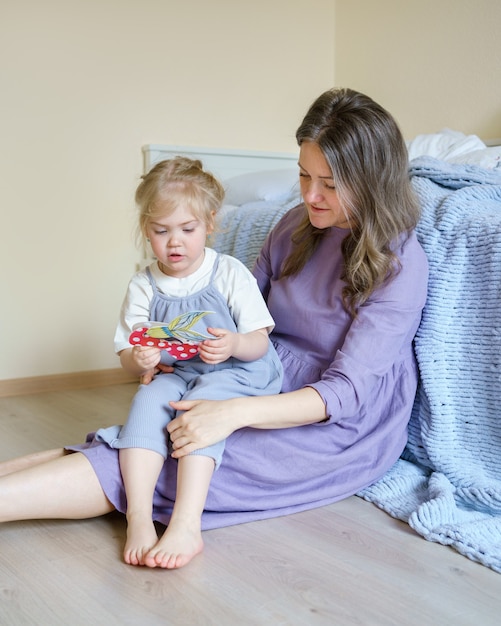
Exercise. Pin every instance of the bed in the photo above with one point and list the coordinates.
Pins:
(447, 484)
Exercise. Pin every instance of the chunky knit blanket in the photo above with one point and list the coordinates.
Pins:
(447, 485)
(242, 230)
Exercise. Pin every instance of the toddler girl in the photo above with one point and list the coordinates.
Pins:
(178, 202)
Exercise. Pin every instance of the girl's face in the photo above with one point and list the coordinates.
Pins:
(178, 241)
(318, 189)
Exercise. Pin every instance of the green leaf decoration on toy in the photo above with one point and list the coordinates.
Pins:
(180, 328)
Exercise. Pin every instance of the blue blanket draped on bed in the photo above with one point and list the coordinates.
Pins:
(447, 485)
(242, 229)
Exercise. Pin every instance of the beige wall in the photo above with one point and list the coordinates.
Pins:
(84, 84)
(433, 63)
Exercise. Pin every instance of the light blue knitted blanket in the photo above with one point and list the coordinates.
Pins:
(447, 485)
(242, 230)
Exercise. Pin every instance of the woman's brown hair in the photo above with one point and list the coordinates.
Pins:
(368, 157)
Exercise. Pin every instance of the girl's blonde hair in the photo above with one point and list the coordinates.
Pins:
(178, 182)
(368, 157)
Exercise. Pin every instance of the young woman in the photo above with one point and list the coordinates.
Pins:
(345, 281)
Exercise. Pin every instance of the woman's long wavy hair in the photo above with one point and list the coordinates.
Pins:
(368, 157)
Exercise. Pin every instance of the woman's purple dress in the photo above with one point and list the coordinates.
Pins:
(364, 370)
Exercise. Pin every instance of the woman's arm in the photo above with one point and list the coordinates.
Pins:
(206, 422)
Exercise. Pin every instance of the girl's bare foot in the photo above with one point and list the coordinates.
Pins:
(141, 537)
(178, 545)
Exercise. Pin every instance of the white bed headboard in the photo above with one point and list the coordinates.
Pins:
(223, 163)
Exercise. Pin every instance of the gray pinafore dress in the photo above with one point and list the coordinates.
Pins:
(192, 379)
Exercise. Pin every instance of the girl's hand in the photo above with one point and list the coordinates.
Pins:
(145, 358)
(141, 361)
(218, 350)
(203, 423)
(146, 379)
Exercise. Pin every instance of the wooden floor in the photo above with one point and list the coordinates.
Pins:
(348, 563)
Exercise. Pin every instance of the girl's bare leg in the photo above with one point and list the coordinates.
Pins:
(140, 471)
(183, 538)
(59, 486)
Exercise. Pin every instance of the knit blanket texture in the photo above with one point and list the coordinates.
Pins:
(241, 230)
(447, 484)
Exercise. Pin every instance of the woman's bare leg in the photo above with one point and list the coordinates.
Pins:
(183, 538)
(29, 460)
(63, 486)
(140, 471)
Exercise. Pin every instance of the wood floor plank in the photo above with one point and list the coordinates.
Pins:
(348, 563)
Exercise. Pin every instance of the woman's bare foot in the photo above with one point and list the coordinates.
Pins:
(141, 538)
(178, 545)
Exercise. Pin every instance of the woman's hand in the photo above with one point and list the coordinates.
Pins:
(203, 423)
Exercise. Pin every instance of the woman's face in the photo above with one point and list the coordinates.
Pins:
(318, 189)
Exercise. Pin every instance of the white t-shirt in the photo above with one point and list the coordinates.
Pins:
(233, 280)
